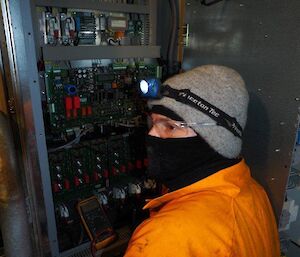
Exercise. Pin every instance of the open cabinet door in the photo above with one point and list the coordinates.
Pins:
(259, 39)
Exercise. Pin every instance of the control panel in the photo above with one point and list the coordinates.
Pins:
(96, 124)
(95, 121)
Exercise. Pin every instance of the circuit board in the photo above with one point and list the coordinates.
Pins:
(78, 27)
(96, 144)
(105, 95)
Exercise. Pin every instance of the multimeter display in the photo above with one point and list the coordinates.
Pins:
(96, 222)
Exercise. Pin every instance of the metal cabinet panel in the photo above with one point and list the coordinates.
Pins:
(260, 39)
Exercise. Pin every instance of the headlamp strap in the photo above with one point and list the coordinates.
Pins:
(223, 119)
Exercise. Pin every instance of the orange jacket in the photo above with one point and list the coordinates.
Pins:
(225, 214)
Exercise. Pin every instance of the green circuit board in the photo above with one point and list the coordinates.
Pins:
(103, 95)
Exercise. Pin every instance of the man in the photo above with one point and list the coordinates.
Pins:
(213, 207)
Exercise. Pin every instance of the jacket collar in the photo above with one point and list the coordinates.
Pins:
(227, 181)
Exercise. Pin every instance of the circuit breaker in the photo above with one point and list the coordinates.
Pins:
(95, 120)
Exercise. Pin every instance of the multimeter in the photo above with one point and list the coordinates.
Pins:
(96, 222)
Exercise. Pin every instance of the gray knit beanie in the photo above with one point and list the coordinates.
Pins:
(220, 86)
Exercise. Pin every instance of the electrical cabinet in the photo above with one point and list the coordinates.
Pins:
(90, 56)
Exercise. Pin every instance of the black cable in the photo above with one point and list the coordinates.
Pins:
(172, 41)
(294, 243)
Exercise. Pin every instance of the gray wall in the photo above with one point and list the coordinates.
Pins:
(261, 40)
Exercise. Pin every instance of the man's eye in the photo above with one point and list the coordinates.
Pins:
(170, 126)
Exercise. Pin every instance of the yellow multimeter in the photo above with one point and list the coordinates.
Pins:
(96, 223)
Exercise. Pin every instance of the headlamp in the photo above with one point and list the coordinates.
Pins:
(150, 88)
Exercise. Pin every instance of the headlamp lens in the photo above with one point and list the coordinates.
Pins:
(150, 88)
(144, 86)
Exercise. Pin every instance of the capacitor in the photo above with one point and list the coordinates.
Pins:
(70, 89)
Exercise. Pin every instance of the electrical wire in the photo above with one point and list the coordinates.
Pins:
(76, 140)
(174, 25)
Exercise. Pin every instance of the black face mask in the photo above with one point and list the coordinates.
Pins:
(178, 162)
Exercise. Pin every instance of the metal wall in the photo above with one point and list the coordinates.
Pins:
(261, 40)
